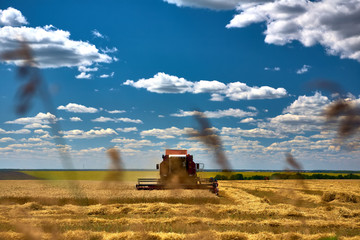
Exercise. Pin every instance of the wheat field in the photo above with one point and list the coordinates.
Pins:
(276, 209)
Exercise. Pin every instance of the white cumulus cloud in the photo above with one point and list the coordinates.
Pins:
(36, 125)
(211, 4)
(332, 23)
(87, 69)
(97, 34)
(7, 139)
(12, 17)
(33, 140)
(303, 70)
(107, 119)
(104, 119)
(231, 112)
(109, 50)
(217, 97)
(40, 131)
(304, 114)
(77, 108)
(20, 131)
(130, 129)
(83, 75)
(93, 133)
(115, 111)
(208, 86)
(133, 143)
(300, 143)
(253, 133)
(276, 69)
(308, 105)
(164, 83)
(40, 118)
(107, 75)
(75, 119)
(248, 120)
(166, 133)
(129, 120)
(51, 47)
(240, 91)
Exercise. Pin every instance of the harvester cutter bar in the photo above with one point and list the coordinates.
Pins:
(148, 184)
(156, 184)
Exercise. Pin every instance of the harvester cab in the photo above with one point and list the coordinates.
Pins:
(177, 170)
(177, 167)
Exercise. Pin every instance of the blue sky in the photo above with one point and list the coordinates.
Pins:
(131, 74)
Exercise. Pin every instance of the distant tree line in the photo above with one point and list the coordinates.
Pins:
(275, 176)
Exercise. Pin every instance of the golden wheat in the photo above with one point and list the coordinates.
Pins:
(281, 209)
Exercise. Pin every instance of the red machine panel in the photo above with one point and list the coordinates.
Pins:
(175, 152)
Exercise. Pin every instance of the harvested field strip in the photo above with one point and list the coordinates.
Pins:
(98, 218)
(273, 199)
(131, 176)
(156, 210)
(189, 225)
(131, 235)
(90, 201)
(217, 224)
(95, 192)
(244, 210)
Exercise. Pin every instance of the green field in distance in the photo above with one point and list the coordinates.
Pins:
(129, 175)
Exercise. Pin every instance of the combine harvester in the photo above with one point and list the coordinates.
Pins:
(178, 171)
